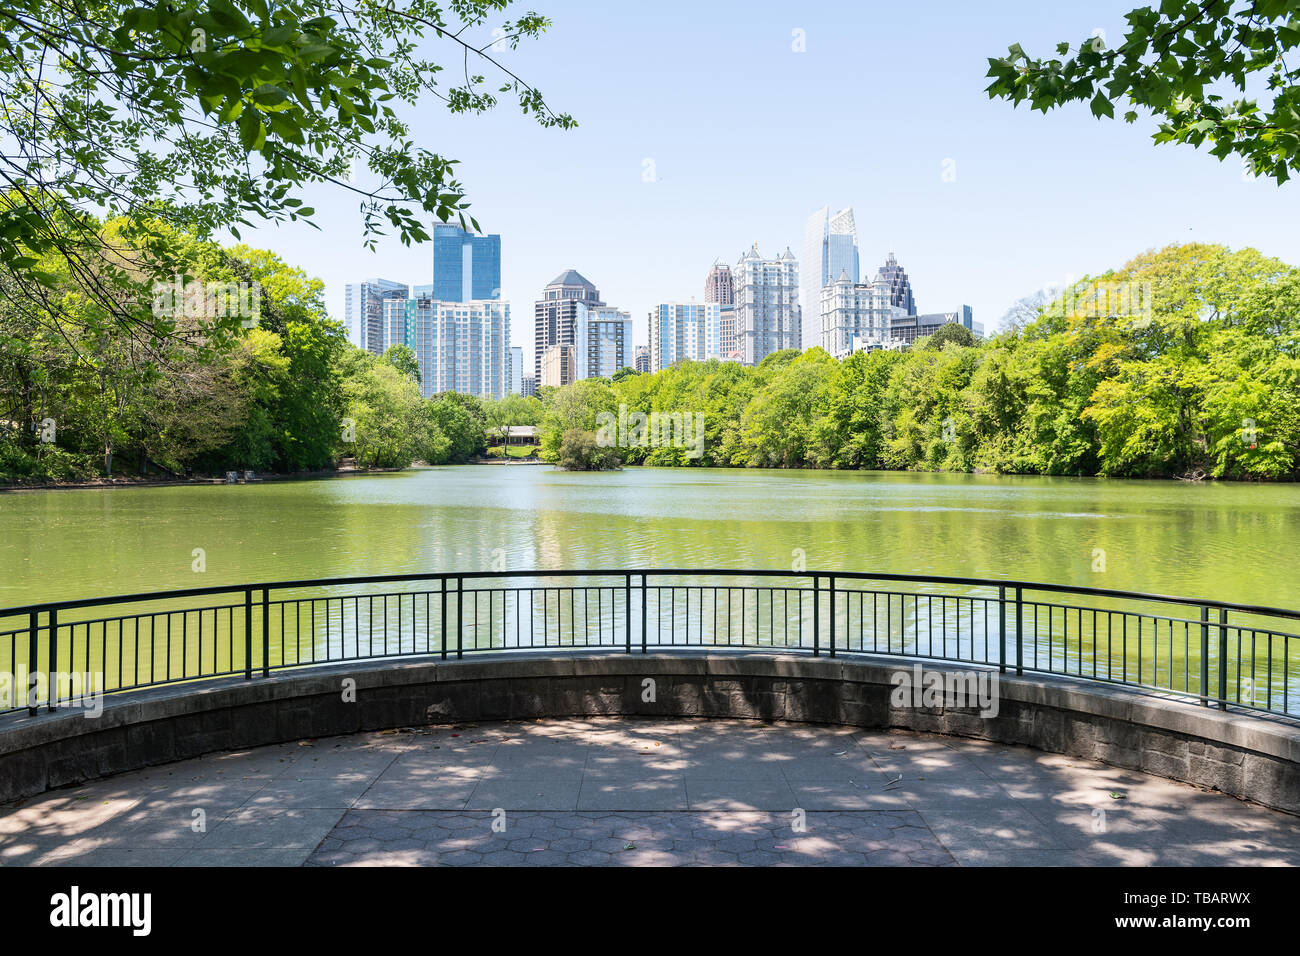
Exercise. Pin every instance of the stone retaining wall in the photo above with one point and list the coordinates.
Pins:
(1249, 756)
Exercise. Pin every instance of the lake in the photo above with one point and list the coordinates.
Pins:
(1232, 542)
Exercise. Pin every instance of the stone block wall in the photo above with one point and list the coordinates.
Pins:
(1249, 756)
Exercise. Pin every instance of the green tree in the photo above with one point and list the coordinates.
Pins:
(573, 407)
(460, 418)
(394, 425)
(953, 332)
(210, 116)
(402, 358)
(778, 422)
(1179, 61)
(581, 451)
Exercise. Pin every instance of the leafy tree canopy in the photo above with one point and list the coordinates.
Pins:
(207, 115)
(402, 358)
(951, 332)
(1199, 67)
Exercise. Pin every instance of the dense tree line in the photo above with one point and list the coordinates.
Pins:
(281, 391)
(1195, 372)
(1184, 362)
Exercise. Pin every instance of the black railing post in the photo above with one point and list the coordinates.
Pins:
(1205, 656)
(1020, 641)
(33, 657)
(1223, 658)
(627, 610)
(266, 632)
(248, 633)
(817, 614)
(52, 687)
(460, 618)
(1002, 630)
(832, 599)
(645, 594)
(443, 642)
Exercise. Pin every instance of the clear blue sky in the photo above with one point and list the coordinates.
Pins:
(748, 137)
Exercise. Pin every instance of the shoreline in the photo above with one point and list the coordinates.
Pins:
(155, 482)
(160, 482)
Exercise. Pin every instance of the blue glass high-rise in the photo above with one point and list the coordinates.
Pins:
(465, 267)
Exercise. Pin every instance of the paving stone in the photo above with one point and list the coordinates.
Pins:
(744, 794)
(643, 792)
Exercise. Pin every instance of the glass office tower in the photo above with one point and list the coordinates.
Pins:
(363, 311)
(830, 250)
(465, 267)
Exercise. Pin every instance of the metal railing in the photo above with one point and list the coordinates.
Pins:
(1214, 653)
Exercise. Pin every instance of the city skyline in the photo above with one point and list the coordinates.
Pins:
(983, 203)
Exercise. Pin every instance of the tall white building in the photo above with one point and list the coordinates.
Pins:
(830, 249)
(684, 330)
(603, 341)
(460, 346)
(768, 314)
(855, 315)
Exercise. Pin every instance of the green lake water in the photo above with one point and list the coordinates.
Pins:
(1228, 542)
(1235, 542)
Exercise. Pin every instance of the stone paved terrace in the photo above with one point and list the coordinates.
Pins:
(617, 791)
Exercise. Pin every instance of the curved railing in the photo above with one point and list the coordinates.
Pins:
(59, 654)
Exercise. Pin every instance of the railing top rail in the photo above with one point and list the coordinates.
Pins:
(444, 576)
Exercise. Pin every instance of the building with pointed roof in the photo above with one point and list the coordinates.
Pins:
(855, 315)
(830, 248)
(900, 287)
(718, 287)
(571, 313)
(768, 316)
(555, 314)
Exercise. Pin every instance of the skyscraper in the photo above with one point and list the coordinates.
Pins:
(466, 267)
(643, 358)
(855, 315)
(830, 249)
(718, 286)
(555, 314)
(728, 341)
(458, 326)
(363, 311)
(460, 346)
(768, 316)
(900, 287)
(603, 341)
(684, 330)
